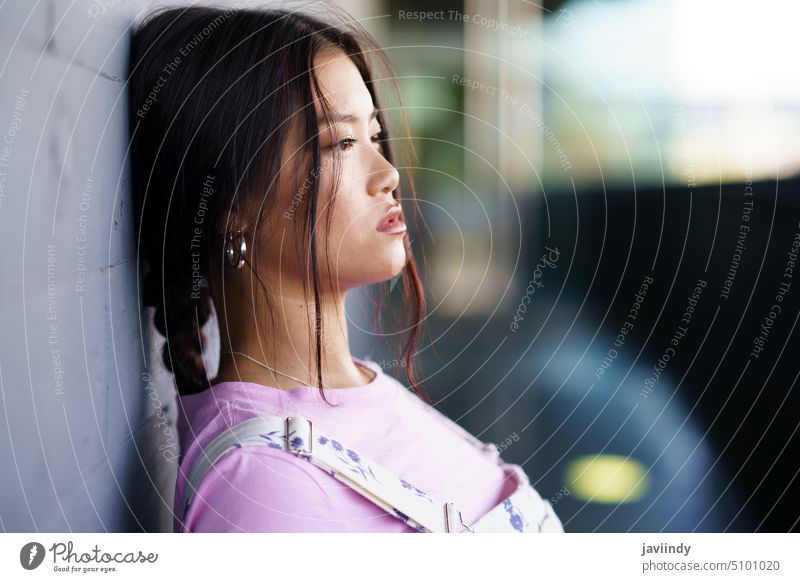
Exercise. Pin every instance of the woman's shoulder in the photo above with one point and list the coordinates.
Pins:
(266, 488)
(258, 489)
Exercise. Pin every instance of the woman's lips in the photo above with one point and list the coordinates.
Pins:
(393, 222)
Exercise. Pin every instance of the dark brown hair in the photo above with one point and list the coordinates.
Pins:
(210, 93)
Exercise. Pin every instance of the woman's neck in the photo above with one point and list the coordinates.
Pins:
(289, 347)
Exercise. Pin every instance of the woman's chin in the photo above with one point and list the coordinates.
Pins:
(381, 263)
(378, 272)
(388, 274)
(398, 261)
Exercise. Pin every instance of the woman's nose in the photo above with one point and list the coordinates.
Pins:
(385, 177)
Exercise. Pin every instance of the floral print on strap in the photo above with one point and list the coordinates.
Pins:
(354, 462)
(350, 458)
(273, 439)
(515, 518)
(417, 492)
(404, 518)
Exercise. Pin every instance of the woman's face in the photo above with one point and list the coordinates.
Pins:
(360, 251)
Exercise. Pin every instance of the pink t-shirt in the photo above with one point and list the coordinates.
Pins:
(262, 489)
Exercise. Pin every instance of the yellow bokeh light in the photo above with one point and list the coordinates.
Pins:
(607, 479)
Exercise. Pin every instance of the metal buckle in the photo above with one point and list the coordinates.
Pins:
(310, 448)
(448, 509)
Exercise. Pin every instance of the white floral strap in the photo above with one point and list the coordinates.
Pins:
(522, 511)
(296, 435)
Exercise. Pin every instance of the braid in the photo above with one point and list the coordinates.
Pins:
(183, 351)
(180, 314)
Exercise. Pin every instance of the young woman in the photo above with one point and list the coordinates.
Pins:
(265, 187)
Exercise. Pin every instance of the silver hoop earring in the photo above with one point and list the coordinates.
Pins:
(234, 261)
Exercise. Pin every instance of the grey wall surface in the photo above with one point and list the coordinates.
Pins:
(87, 410)
(84, 445)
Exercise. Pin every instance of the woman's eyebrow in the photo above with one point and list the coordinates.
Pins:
(345, 117)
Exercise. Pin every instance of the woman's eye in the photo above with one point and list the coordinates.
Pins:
(344, 144)
(349, 142)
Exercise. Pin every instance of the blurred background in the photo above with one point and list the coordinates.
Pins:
(611, 198)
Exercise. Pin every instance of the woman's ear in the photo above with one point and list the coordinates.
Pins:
(231, 223)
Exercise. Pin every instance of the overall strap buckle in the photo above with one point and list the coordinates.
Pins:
(450, 513)
(302, 443)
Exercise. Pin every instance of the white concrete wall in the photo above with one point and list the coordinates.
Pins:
(80, 447)
(87, 437)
